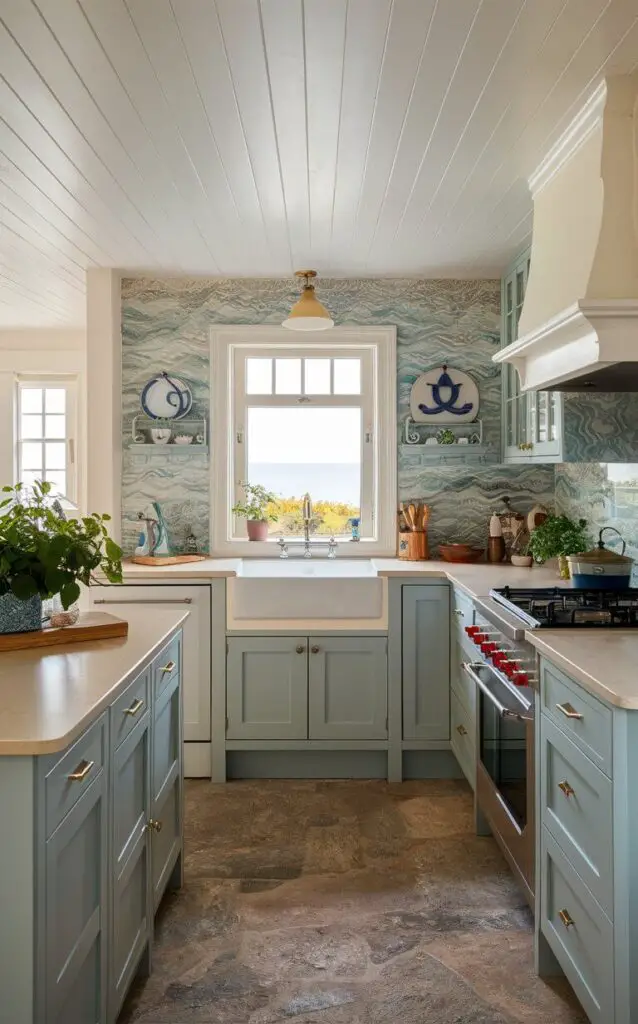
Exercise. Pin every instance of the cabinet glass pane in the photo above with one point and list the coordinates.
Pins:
(509, 297)
(520, 288)
(522, 419)
(511, 412)
(510, 329)
(542, 425)
(553, 415)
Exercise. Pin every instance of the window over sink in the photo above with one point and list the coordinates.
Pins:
(297, 416)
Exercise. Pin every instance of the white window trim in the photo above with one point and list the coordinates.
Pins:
(224, 342)
(70, 384)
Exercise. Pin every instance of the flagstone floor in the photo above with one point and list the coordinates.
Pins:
(343, 903)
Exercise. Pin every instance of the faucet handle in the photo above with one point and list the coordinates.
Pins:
(283, 548)
(332, 548)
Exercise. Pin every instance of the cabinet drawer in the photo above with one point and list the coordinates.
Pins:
(166, 665)
(129, 707)
(71, 776)
(462, 685)
(576, 807)
(462, 610)
(463, 739)
(586, 720)
(579, 932)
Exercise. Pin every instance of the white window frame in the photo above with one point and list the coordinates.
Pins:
(377, 348)
(70, 385)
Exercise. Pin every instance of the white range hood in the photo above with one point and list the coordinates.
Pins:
(578, 329)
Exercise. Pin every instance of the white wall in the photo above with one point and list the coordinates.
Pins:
(40, 352)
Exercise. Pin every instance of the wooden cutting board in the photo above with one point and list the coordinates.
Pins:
(166, 559)
(90, 626)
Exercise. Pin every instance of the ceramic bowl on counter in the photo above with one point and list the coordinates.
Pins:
(460, 552)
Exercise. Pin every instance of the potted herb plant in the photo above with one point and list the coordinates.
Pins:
(43, 554)
(558, 537)
(255, 510)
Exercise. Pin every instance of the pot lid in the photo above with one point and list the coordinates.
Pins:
(602, 555)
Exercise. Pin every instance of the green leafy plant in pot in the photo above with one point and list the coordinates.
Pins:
(558, 537)
(256, 509)
(43, 554)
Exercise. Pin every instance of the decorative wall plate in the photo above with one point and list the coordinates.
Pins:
(444, 395)
(166, 397)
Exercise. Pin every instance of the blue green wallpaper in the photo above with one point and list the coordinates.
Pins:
(166, 324)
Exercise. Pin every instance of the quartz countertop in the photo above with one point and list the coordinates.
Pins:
(603, 660)
(208, 568)
(48, 696)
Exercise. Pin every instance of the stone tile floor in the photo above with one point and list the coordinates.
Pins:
(343, 903)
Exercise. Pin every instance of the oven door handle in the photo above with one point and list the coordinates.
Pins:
(503, 711)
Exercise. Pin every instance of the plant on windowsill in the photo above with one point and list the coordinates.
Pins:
(43, 555)
(255, 510)
(558, 537)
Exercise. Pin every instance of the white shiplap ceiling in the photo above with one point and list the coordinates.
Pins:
(238, 137)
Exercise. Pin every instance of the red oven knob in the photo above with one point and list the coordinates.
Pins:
(511, 669)
(489, 647)
(520, 678)
(499, 658)
(479, 638)
(472, 630)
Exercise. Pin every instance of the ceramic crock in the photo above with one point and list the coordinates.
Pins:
(20, 616)
(601, 568)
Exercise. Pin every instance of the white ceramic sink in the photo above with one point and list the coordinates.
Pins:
(300, 568)
(303, 593)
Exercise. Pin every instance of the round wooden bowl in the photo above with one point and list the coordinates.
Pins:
(460, 552)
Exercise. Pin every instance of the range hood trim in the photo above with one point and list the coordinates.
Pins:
(584, 338)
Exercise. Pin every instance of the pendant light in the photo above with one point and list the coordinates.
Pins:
(308, 314)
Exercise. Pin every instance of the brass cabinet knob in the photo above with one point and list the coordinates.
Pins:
(462, 731)
(154, 825)
(168, 668)
(314, 649)
(300, 649)
(566, 918)
(566, 788)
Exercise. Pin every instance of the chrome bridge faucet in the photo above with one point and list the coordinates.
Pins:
(307, 519)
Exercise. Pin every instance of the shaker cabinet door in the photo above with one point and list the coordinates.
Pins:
(267, 688)
(76, 912)
(426, 663)
(131, 928)
(348, 688)
(165, 829)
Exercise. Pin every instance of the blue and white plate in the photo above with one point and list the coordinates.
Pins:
(165, 397)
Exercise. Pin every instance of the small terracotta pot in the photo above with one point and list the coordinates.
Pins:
(257, 529)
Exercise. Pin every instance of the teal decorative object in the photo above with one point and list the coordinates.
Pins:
(18, 616)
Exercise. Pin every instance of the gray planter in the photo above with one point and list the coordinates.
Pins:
(20, 616)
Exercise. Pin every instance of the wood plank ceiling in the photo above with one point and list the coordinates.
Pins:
(251, 137)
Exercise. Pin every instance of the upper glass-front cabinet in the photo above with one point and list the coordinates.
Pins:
(532, 422)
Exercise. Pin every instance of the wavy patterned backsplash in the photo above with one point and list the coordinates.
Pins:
(166, 325)
(605, 495)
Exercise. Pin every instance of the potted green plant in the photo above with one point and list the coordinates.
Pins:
(558, 537)
(43, 554)
(255, 510)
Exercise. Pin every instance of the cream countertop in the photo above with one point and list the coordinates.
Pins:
(50, 695)
(476, 579)
(604, 661)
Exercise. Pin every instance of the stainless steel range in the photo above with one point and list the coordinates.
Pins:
(505, 673)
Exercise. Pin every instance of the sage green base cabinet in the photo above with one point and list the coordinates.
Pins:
(91, 839)
(426, 662)
(587, 846)
(306, 688)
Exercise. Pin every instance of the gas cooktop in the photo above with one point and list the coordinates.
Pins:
(557, 607)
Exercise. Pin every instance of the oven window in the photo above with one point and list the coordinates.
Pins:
(503, 753)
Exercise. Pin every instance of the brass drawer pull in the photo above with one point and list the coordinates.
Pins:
(169, 667)
(300, 649)
(566, 788)
(81, 771)
(462, 731)
(566, 918)
(155, 825)
(315, 649)
(568, 711)
(136, 706)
